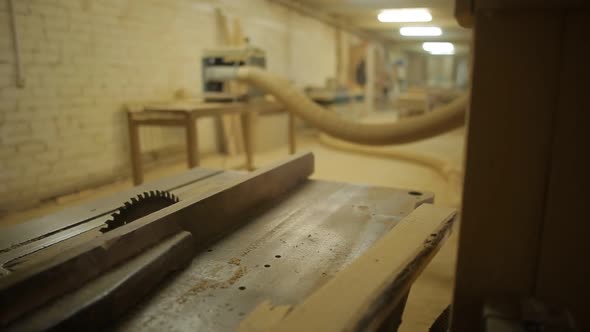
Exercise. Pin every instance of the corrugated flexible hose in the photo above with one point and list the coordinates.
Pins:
(434, 123)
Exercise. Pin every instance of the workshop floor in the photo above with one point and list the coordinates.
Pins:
(432, 291)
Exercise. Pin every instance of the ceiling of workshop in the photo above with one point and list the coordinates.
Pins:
(363, 15)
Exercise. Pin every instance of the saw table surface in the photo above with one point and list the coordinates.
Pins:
(285, 250)
(283, 254)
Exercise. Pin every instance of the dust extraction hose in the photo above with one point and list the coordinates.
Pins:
(438, 121)
(451, 173)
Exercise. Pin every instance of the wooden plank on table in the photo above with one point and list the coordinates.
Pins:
(107, 297)
(224, 38)
(232, 130)
(222, 31)
(15, 237)
(237, 88)
(207, 216)
(563, 274)
(510, 125)
(361, 297)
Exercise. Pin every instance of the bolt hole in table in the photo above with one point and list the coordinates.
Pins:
(186, 114)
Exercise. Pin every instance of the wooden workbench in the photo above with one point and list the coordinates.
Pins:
(234, 246)
(185, 114)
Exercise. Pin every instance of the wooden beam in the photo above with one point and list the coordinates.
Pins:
(563, 273)
(362, 296)
(509, 148)
(109, 296)
(225, 38)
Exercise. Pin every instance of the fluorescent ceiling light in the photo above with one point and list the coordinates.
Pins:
(405, 15)
(439, 48)
(420, 31)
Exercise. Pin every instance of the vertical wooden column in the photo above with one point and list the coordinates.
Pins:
(247, 117)
(192, 144)
(563, 272)
(135, 150)
(514, 98)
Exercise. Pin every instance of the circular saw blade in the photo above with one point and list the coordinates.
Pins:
(140, 206)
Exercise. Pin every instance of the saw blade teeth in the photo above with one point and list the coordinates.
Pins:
(139, 206)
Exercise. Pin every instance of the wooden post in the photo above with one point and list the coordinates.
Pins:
(563, 273)
(192, 141)
(135, 150)
(248, 140)
(523, 228)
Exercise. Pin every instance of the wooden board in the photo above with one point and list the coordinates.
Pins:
(232, 129)
(361, 297)
(23, 235)
(116, 291)
(563, 273)
(509, 145)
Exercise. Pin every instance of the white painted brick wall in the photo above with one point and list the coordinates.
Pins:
(84, 59)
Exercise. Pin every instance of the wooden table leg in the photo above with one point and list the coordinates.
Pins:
(192, 144)
(135, 150)
(292, 142)
(248, 141)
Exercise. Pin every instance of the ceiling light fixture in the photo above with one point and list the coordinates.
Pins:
(420, 31)
(405, 15)
(439, 47)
